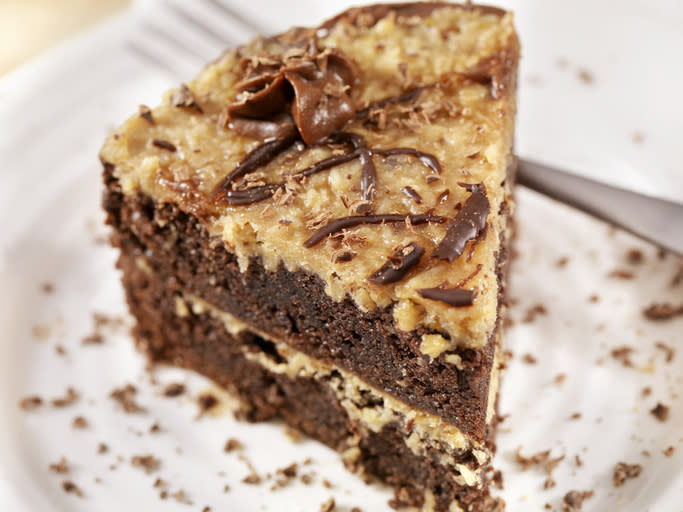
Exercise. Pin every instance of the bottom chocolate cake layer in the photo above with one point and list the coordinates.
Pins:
(172, 330)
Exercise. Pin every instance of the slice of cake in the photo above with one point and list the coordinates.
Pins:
(319, 222)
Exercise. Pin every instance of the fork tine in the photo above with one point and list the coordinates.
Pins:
(206, 29)
(152, 59)
(236, 15)
(172, 41)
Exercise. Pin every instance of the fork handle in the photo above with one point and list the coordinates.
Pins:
(653, 219)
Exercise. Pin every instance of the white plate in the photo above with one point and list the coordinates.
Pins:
(54, 115)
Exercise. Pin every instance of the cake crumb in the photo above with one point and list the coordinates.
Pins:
(662, 311)
(660, 411)
(573, 500)
(206, 401)
(61, 351)
(226, 488)
(578, 461)
(125, 398)
(585, 76)
(646, 453)
(173, 389)
(356, 509)
(148, 463)
(497, 480)
(575, 416)
(621, 273)
(646, 391)
(529, 359)
(231, 445)
(677, 278)
(61, 467)
(624, 471)
(326, 483)
(669, 451)
(533, 312)
(328, 506)
(71, 488)
(95, 338)
(31, 403)
(637, 137)
(102, 448)
(623, 355)
(634, 257)
(562, 262)
(595, 298)
(71, 397)
(540, 459)
(206, 509)
(180, 497)
(669, 352)
(79, 422)
(252, 479)
(155, 428)
(47, 287)
(560, 378)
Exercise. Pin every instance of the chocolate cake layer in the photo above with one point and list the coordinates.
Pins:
(294, 307)
(202, 343)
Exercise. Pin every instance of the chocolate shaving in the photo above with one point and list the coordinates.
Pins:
(184, 98)
(356, 220)
(412, 194)
(146, 114)
(164, 144)
(398, 264)
(467, 225)
(457, 297)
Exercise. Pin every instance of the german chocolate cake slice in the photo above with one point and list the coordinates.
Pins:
(319, 223)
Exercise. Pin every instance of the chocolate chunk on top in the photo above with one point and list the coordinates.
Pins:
(398, 264)
(468, 224)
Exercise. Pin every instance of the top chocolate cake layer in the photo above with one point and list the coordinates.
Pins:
(371, 152)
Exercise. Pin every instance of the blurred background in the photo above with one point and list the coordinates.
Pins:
(28, 27)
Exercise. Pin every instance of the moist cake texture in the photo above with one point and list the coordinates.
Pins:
(319, 222)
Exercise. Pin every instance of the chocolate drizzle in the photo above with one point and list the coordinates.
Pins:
(357, 220)
(269, 150)
(469, 222)
(398, 264)
(457, 297)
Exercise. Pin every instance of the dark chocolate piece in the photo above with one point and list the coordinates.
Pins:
(262, 155)
(184, 98)
(146, 114)
(164, 144)
(412, 193)
(469, 222)
(457, 297)
(398, 264)
(356, 220)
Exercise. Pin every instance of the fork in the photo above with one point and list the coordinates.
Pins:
(198, 35)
